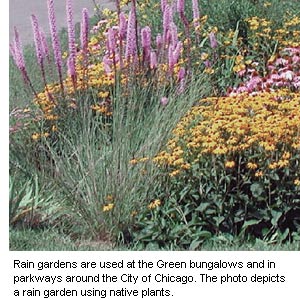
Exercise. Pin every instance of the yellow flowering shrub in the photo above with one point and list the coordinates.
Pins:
(229, 126)
(231, 166)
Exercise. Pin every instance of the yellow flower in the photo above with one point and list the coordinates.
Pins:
(108, 207)
(273, 166)
(283, 163)
(133, 161)
(155, 203)
(297, 182)
(252, 166)
(103, 94)
(286, 155)
(259, 174)
(174, 173)
(229, 164)
(35, 136)
(204, 56)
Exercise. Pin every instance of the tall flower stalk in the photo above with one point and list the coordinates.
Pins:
(180, 10)
(55, 42)
(196, 18)
(45, 47)
(72, 47)
(131, 43)
(84, 33)
(39, 49)
(16, 50)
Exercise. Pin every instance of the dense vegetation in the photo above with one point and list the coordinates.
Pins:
(165, 125)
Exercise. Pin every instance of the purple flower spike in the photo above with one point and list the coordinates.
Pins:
(17, 53)
(111, 42)
(18, 50)
(55, 40)
(180, 6)
(196, 13)
(171, 60)
(174, 35)
(146, 42)
(37, 40)
(159, 42)
(181, 79)
(167, 19)
(181, 74)
(71, 67)
(213, 40)
(153, 60)
(106, 64)
(84, 31)
(71, 35)
(163, 4)
(177, 52)
(122, 25)
(45, 47)
(131, 47)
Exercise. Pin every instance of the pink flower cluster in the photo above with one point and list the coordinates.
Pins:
(137, 47)
(283, 72)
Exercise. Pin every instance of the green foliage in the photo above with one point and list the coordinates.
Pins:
(81, 179)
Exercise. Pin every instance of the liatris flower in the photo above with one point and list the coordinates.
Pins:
(16, 50)
(153, 60)
(71, 36)
(213, 40)
(84, 31)
(122, 25)
(174, 35)
(181, 74)
(122, 35)
(171, 60)
(181, 79)
(37, 40)
(167, 19)
(55, 41)
(45, 47)
(146, 43)
(159, 42)
(131, 43)
(40, 54)
(180, 6)
(71, 67)
(177, 51)
(163, 4)
(111, 42)
(106, 64)
(196, 18)
(196, 13)
(173, 56)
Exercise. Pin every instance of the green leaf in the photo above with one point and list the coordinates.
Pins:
(275, 217)
(219, 220)
(202, 207)
(194, 245)
(256, 189)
